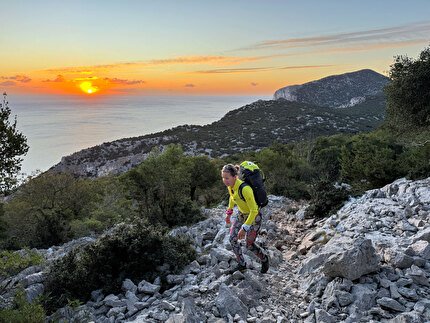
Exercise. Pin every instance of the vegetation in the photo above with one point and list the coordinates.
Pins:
(40, 214)
(368, 161)
(12, 263)
(22, 311)
(408, 94)
(165, 186)
(168, 188)
(13, 144)
(286, 170)
(261, 122)
(131, 251)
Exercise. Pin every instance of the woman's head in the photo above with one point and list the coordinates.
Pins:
(229, 174)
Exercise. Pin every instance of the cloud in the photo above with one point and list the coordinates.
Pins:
(366, 47)
(256, 69)
(234, 70)
(254, 84)
(305, 67)
(8, 83)
(215, 60)
(122, 82)
(189, 85)
(18, 78)
(417, 32)
(91, 78)
(59, 79)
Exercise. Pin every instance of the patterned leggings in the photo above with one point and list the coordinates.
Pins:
(237, 221)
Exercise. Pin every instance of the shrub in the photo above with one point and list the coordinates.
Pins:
(324, 154)
(22, 311)
(13, 262)
(368, 162)
(164, 184)
(416, 161)
(287, 173)
(131, 251)
(326, 198)
(40, 213)
(85, 227)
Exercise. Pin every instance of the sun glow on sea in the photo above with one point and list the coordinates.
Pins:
(88, 87)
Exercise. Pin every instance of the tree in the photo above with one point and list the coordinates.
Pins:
(40, 213)
(162, 187)
(203, 173)
(408, 94)
(368, 161)
(13, 144)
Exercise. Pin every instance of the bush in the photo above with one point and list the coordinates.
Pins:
(326, 198)
(40, 213)
(287, 173)
(111, 205)
(416, 161)
(54, 208)
(86, 227)
(131, 251)
(12, 263)
(165, 184)
(22, 311)
(324, 155)
(368, 162)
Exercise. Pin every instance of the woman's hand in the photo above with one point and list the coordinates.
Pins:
(229, 212)
(241, 234)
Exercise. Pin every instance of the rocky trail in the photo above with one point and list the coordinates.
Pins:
(369, 262)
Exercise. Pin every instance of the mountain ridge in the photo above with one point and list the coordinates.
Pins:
(252, 127)
(336, 91)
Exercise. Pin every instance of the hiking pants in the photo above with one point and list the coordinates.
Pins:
(237, 220)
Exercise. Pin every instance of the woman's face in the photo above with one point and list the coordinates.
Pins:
(228, 179)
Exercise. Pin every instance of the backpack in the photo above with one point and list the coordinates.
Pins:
(254, 177)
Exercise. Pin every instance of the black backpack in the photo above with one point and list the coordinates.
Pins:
(252, 176)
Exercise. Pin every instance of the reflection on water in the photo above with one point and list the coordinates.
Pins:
(58, 126)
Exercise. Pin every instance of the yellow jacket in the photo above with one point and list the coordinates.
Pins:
(249, 206)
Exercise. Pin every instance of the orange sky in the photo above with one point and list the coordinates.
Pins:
(225, 48)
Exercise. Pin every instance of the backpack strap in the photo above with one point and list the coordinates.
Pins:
(240, 190)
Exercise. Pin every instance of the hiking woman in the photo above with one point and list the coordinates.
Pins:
(246, 222)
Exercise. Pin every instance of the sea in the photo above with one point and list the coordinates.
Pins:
(57, 126)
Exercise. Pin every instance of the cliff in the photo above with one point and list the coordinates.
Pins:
(336, 91)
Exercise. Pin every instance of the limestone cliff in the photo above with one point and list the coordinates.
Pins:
(336, 91)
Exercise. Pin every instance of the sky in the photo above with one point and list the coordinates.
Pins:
(199, 47)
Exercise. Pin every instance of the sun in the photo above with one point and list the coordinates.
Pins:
(88, 87)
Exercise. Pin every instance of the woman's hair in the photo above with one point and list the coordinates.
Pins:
(233, 170)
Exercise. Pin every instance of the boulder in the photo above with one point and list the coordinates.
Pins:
(229, 304)
(391, 304)
(191, 313)
(222, 254)
(322, 316)
(128, 285)
(422, 249)
(148, 288)
(358, 260)
(33, 291)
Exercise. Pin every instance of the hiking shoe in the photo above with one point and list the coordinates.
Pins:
(240, 268)
(265, 265)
